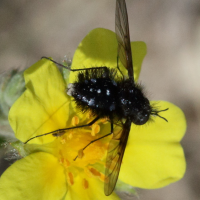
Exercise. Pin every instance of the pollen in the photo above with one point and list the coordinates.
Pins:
(85, 184)
(75, 120)
(70, 178)
(95, 129)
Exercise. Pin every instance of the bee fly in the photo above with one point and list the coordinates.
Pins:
(121, 101)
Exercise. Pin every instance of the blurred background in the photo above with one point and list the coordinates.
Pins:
(171, 69)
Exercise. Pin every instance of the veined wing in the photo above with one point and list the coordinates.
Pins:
(123, 37)
(114, 157)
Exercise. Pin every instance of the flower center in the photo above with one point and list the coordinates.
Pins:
(78, 155)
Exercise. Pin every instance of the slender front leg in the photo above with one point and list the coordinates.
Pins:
(73, 70)
(60, 132)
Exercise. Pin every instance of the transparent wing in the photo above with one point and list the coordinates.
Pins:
(114, 157)
(123, 37)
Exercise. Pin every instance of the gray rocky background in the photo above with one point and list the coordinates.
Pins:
(171, 69)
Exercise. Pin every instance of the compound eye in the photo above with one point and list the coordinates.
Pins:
(141, 119)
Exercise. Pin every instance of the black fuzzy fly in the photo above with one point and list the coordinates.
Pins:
(118, 98)
(108, 96)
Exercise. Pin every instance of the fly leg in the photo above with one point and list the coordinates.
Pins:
(73, 70)
(60, 132)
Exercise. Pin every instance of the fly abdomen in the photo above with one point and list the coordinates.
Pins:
(97, 93)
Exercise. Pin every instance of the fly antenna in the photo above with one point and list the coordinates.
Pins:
(155, 112)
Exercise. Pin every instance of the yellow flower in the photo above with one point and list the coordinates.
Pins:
(153, 157)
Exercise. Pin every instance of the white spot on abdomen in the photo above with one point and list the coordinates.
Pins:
(91, 102)
(99, 91)
(108, 92)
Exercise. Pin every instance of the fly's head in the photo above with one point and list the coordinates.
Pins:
(141, 112)
(135, 106)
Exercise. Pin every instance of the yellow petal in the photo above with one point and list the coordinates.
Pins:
(154, 157)
(99, 48)
(43, 107)
(86, 188)
(37, 176)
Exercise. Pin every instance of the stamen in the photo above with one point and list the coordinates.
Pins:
(94, 172)
(80, 153)
(64, 162)
(75, 120)
(85, 184)
(70, 178)
(95, 129)
(61, 160)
